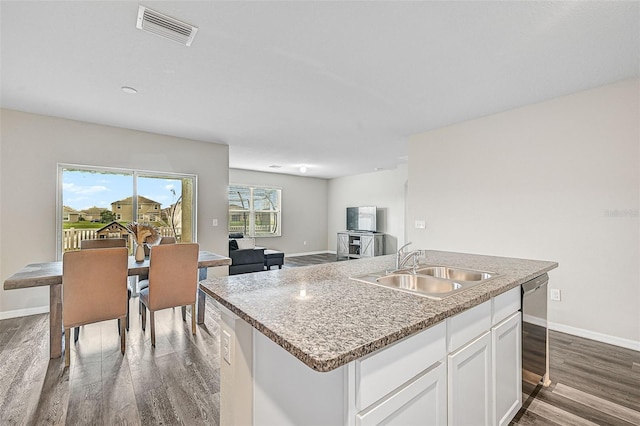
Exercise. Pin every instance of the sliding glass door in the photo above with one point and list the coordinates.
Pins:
(98, 202)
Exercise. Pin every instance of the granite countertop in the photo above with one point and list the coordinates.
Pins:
(327, 320)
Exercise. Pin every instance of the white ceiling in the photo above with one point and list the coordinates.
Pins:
(335, 86)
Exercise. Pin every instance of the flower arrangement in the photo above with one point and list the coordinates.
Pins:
(144, 233)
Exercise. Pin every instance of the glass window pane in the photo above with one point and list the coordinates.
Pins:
(90, 200)
(239, 198)
(266, 224)
(265, 199)
(167, 203)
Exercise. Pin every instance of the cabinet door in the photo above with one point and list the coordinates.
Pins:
(469, 383)
(507, 368)
(366, 246)
(422, 401)
(343, 245)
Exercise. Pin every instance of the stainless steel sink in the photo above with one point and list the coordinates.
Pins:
(435, 282)
(455, 274)
(420, 283)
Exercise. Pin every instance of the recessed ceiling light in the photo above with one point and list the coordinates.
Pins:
(129, 90)
(303, 169)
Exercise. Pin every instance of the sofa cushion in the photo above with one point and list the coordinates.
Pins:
(240, 257)
(236, 235)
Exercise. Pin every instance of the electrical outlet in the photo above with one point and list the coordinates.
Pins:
(214, 222)
(226, 346)
(304, 243)
(555, 295)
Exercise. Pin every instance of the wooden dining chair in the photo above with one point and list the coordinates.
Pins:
(143, 281)
(173, 282)
(100, 274)
(101, 243)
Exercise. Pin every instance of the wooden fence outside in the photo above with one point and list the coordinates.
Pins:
(71, 237)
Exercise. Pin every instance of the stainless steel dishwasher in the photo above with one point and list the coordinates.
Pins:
(535, 344)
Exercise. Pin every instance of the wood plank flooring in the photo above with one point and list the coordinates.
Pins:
(592, 383)
(178, 382)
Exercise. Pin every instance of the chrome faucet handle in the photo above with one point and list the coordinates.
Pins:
(402, 249)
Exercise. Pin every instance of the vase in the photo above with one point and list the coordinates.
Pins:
(139, 253)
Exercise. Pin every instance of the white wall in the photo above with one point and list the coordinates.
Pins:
(385, 189)
(304, 210)
(31, 147)
(556, 181)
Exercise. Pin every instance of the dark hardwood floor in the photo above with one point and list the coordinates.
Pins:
(178, 382)
(312, 259)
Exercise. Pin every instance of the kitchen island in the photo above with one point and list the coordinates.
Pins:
(310, 345)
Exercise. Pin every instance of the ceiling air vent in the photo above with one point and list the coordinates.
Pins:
(165, 26)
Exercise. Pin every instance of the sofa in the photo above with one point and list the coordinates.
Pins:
(245, 256)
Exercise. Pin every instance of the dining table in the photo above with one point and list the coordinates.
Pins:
(50, 274)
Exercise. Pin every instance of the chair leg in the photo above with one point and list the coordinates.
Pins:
(144, 317)
(76, 334)
(67, 347)
(193, 319)
(184, 313)
(153, 328)
(128, 303)
(122, 336)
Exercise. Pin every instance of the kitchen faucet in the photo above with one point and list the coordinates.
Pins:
(403, 256)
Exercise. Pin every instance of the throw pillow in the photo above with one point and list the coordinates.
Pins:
(246, 243)
(233, 245)
(236, 235)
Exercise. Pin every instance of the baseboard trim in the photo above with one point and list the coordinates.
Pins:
(534, 320)
(600, 337)
(24, 312)
(308, 253)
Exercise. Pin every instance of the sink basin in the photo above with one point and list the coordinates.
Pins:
(455, 274)
(419, 283)
(435, 282)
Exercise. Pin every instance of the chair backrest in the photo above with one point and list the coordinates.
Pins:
(94, 285)
(167, 240)
(173, 275)
(103, 243)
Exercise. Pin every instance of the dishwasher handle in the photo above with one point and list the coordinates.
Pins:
(535, 284)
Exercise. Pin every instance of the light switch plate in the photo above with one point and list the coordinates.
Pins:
(555, 294)
(421, 224)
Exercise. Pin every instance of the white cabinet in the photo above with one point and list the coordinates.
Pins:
(354, 245)
(423, 401)
(507, 372)
(484, 363)
(462, 371)
(470, 379)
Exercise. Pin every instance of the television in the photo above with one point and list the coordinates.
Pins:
(361, 219)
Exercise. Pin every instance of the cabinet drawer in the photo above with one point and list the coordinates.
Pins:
(468, 325)
(506, 304)
(421, 401)
(382, 372)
